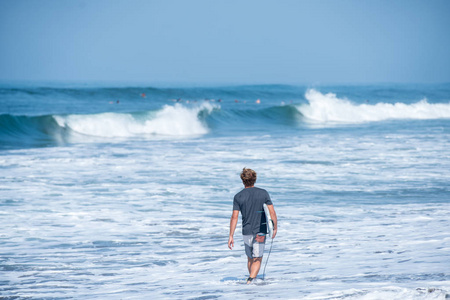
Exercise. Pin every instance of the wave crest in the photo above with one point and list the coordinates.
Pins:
(174, 120)
(328, 108)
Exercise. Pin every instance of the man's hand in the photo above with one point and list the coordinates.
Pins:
(273, 215)
(233, 223)
(230, 242)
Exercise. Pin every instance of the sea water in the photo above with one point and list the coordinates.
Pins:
(126, 192)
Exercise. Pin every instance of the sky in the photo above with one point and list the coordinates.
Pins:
(225, 42)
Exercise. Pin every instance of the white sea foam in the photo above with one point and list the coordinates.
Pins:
(129, 223)
(177, 120)
(360, 217)
(328, 108)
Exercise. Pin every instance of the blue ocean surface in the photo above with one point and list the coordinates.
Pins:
(125, 192)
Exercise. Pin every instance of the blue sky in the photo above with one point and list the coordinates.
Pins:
(222, 42)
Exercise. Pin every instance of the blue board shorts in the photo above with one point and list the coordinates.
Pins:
(252, 247)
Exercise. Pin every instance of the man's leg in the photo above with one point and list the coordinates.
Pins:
(255, 265)
(257, 254)
(254, 251)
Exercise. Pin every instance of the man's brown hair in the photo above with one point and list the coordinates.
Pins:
(248, 177)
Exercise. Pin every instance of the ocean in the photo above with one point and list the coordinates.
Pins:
(125, 191)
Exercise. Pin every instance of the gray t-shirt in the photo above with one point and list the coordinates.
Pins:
(250, 202)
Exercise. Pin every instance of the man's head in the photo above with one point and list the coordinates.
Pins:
(248, 177)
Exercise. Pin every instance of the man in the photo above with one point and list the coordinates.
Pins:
(250, 202)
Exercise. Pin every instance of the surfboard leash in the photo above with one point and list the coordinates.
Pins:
(264, 272)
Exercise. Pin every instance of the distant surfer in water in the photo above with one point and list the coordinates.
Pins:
(250, 202)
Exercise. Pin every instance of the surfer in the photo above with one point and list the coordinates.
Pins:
(250, 203)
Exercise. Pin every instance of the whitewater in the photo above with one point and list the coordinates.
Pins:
(329, 108)
(126, 192)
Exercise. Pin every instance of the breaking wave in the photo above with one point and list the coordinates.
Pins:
(328, 108)
(192, 120)
(174, 120)
(170, 121)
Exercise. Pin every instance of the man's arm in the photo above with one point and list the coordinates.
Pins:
(233, 223)
(273, 215)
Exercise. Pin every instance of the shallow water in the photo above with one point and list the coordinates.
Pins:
(362, 207)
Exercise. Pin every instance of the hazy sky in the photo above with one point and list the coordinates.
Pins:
(214, 41)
